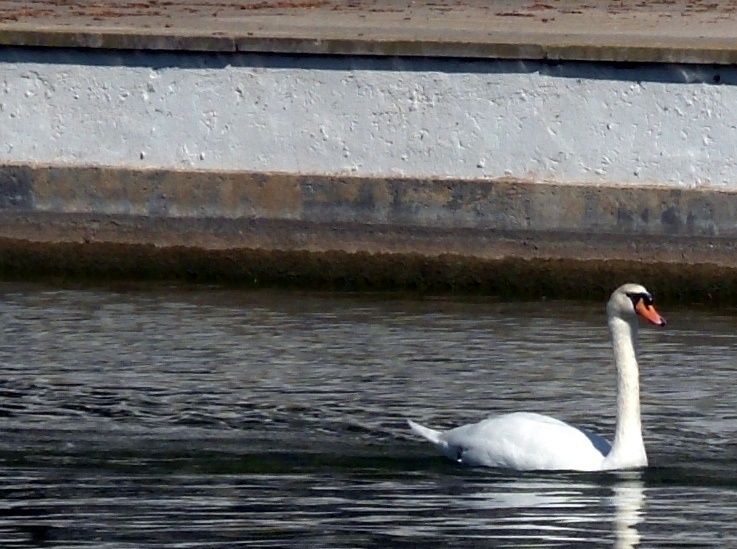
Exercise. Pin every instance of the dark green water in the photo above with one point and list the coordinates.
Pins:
(209, 418)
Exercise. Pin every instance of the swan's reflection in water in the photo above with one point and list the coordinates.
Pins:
(628, 502)
(559, 512)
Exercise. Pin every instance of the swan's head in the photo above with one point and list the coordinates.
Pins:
(630, 300)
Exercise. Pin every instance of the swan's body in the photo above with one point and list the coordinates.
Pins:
(515, 441)
(527, 441)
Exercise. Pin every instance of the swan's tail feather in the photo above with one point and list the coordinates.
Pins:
(430, 434)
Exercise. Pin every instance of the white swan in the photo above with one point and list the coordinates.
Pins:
(527, 441)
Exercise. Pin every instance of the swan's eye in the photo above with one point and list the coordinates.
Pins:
(636, 297)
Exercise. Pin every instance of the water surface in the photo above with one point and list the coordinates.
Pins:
(210, 418)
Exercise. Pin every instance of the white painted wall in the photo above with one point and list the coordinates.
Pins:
(424, 118)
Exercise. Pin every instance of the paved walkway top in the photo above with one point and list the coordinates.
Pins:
(675, 31)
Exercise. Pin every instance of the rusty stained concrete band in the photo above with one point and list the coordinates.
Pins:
(503, 237)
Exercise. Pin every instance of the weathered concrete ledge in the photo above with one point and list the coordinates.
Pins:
(257, 229)
(677, 31)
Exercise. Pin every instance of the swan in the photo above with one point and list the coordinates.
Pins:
(526, 441)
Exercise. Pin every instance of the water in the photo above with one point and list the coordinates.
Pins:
(212, 418)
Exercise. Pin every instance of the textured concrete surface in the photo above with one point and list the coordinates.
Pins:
(569, 123)
(678, 31)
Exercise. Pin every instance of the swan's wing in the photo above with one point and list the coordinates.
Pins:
(524, 441)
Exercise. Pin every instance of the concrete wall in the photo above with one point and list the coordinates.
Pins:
(519, 177)
(559, 122)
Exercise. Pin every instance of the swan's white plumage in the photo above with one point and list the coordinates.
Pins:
(527, 441)
(513, 441)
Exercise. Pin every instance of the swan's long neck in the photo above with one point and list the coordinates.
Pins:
(628, 448)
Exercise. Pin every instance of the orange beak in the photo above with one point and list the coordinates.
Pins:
(648, 312)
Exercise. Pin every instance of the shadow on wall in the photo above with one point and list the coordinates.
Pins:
(630, 72)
